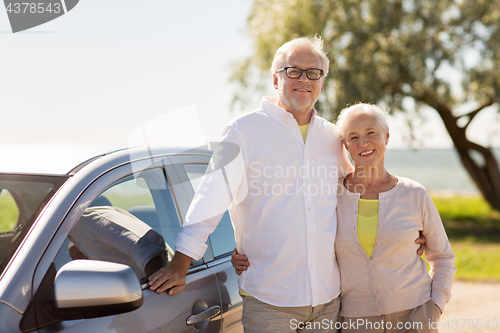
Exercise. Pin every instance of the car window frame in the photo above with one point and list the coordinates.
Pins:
(178, 163)
(89, 194)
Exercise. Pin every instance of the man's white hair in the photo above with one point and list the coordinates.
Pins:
(314, 44)
(372, 109)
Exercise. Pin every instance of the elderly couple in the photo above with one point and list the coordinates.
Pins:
(326, 246)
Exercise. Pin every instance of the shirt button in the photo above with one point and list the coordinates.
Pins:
(311, 237)
(308, 208)
(307, 181)
(311, 265)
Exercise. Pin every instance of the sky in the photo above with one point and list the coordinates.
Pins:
(110, 68)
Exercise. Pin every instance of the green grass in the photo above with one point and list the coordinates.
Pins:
(8, 213)
(477, 262)
(465, 209)
(127, 202)
(474, 232)
(469, 219)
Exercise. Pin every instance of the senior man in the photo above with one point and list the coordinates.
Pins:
(282, 202)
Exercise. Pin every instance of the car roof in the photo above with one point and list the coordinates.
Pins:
(62, 158)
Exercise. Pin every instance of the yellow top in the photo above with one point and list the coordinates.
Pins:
(303, 131)
(244, 293)
(367, 224)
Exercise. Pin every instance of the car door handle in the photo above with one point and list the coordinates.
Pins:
(204, 315)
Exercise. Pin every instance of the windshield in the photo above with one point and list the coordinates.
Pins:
(22, 198)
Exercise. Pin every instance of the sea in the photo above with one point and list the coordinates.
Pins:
(439, 170)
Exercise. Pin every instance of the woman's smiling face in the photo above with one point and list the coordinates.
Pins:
(365, 139)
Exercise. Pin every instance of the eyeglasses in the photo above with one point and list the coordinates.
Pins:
(295, 73)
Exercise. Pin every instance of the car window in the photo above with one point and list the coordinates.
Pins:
(222, 238)
(133, 221)
(22, 198)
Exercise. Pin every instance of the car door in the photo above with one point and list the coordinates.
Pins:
(190, 170)
(140, 194)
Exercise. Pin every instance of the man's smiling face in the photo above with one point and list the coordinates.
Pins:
(298, 95)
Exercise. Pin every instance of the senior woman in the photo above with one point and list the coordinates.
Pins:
(385, 285)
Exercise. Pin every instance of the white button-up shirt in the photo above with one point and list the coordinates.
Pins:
(281, 194)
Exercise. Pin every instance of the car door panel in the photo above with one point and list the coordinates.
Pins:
(222, 244)
(160, 312)
(230, 297)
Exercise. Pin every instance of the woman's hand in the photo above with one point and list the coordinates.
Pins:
(240, 262)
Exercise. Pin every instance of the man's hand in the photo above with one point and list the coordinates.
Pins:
(421, 241)
(240, 262)
(173, 277)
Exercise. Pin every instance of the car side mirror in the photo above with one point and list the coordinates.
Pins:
(91, 288)
(82, 289)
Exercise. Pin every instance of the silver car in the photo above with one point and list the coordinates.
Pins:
(77, 244)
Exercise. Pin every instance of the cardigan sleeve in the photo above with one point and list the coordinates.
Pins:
(438, 253)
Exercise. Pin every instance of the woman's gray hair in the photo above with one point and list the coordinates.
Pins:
(314, 44)
(378, 113)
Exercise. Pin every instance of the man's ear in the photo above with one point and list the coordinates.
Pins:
(275, 81)
(387, 135)
(322, 83)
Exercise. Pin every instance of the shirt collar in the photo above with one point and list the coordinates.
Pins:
(268, 105)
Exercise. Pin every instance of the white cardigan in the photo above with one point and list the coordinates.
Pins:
(395, 278)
